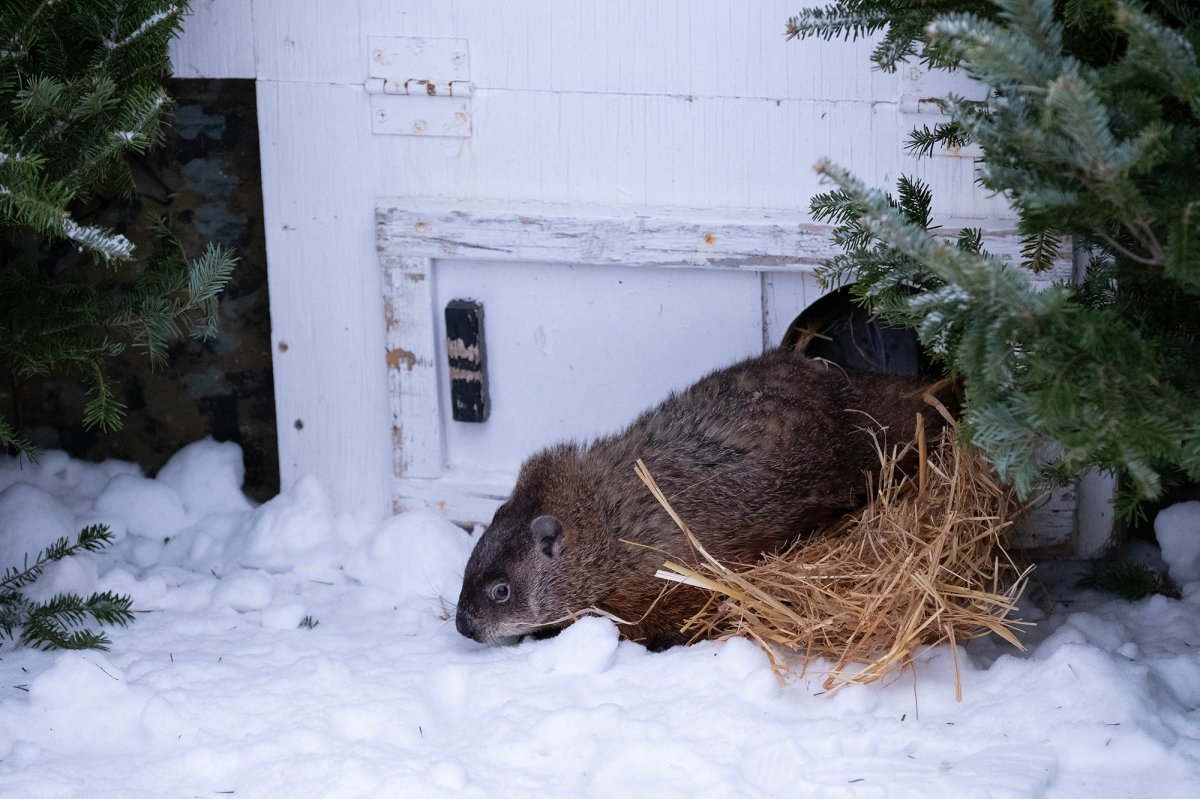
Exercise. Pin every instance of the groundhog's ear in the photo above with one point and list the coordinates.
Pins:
(547, 533)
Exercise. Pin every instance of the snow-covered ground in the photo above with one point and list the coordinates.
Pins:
(217, 690)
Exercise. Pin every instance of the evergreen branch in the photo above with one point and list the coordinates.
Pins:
(53, 624)
(1098, 289)
(1090, 132)
(970, 239)
(922, 141)
(171, 16)
(1030, 359)
(209, 273)
(14, 612)
(58, 623)
(1040, 250)
(109, 608)
(1083, 117)
(27, 574)
(1129, 580)
(999, 51)
(915, 201)
(847, 20)
(35, 204)
(41, 354)
(106, 244)
(949, 264)
(1151, 42)
(45, 631)
(81, 90)
(138, 120)
(102, 409)
(905, 23)
(92, 538)
(1182, 260)
(895, 47)
(12, 440)
(1155, 258)
(834, 207)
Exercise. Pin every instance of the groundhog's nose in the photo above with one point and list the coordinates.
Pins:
(465, 623)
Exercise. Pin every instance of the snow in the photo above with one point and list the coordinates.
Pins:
(150, 22)
(111, 245)
(1177, 529)
(218, 690)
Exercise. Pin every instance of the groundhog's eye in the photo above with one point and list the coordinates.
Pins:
(499, 593)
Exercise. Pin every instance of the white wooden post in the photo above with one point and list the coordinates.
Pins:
(412, 366)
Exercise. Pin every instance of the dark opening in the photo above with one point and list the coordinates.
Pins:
(837, 329)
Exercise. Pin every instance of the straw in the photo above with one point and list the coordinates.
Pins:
(922, 564)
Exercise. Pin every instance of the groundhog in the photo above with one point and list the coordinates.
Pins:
(751, 457)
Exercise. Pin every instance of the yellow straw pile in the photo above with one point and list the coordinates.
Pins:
(921, 564)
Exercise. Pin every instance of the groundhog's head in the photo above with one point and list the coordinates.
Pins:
(508, 586)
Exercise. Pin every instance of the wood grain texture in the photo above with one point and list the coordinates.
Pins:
(660, 238)
(411, 355)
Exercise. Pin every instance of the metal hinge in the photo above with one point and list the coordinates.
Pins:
(419, 87)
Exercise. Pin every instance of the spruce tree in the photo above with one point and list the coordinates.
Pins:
(81, 91)
(1092, 132)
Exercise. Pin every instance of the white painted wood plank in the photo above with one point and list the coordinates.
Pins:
(576, 351)
(467, 499)
(1095, 519)
(421, 57)
(617, 235)
(785, 296)
(217, 41)
(638, 150)
(310, 41)
(703, 48)
(331, 390)
(1049, 527)
(614, 236)
(412, 359)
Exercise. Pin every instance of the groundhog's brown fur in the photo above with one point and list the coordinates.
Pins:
(751, 457)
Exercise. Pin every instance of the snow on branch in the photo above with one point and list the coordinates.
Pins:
(151, 22)
(111, 246)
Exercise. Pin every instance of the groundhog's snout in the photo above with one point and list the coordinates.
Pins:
(464, 622)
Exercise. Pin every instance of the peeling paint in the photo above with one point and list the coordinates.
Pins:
(397, 356)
